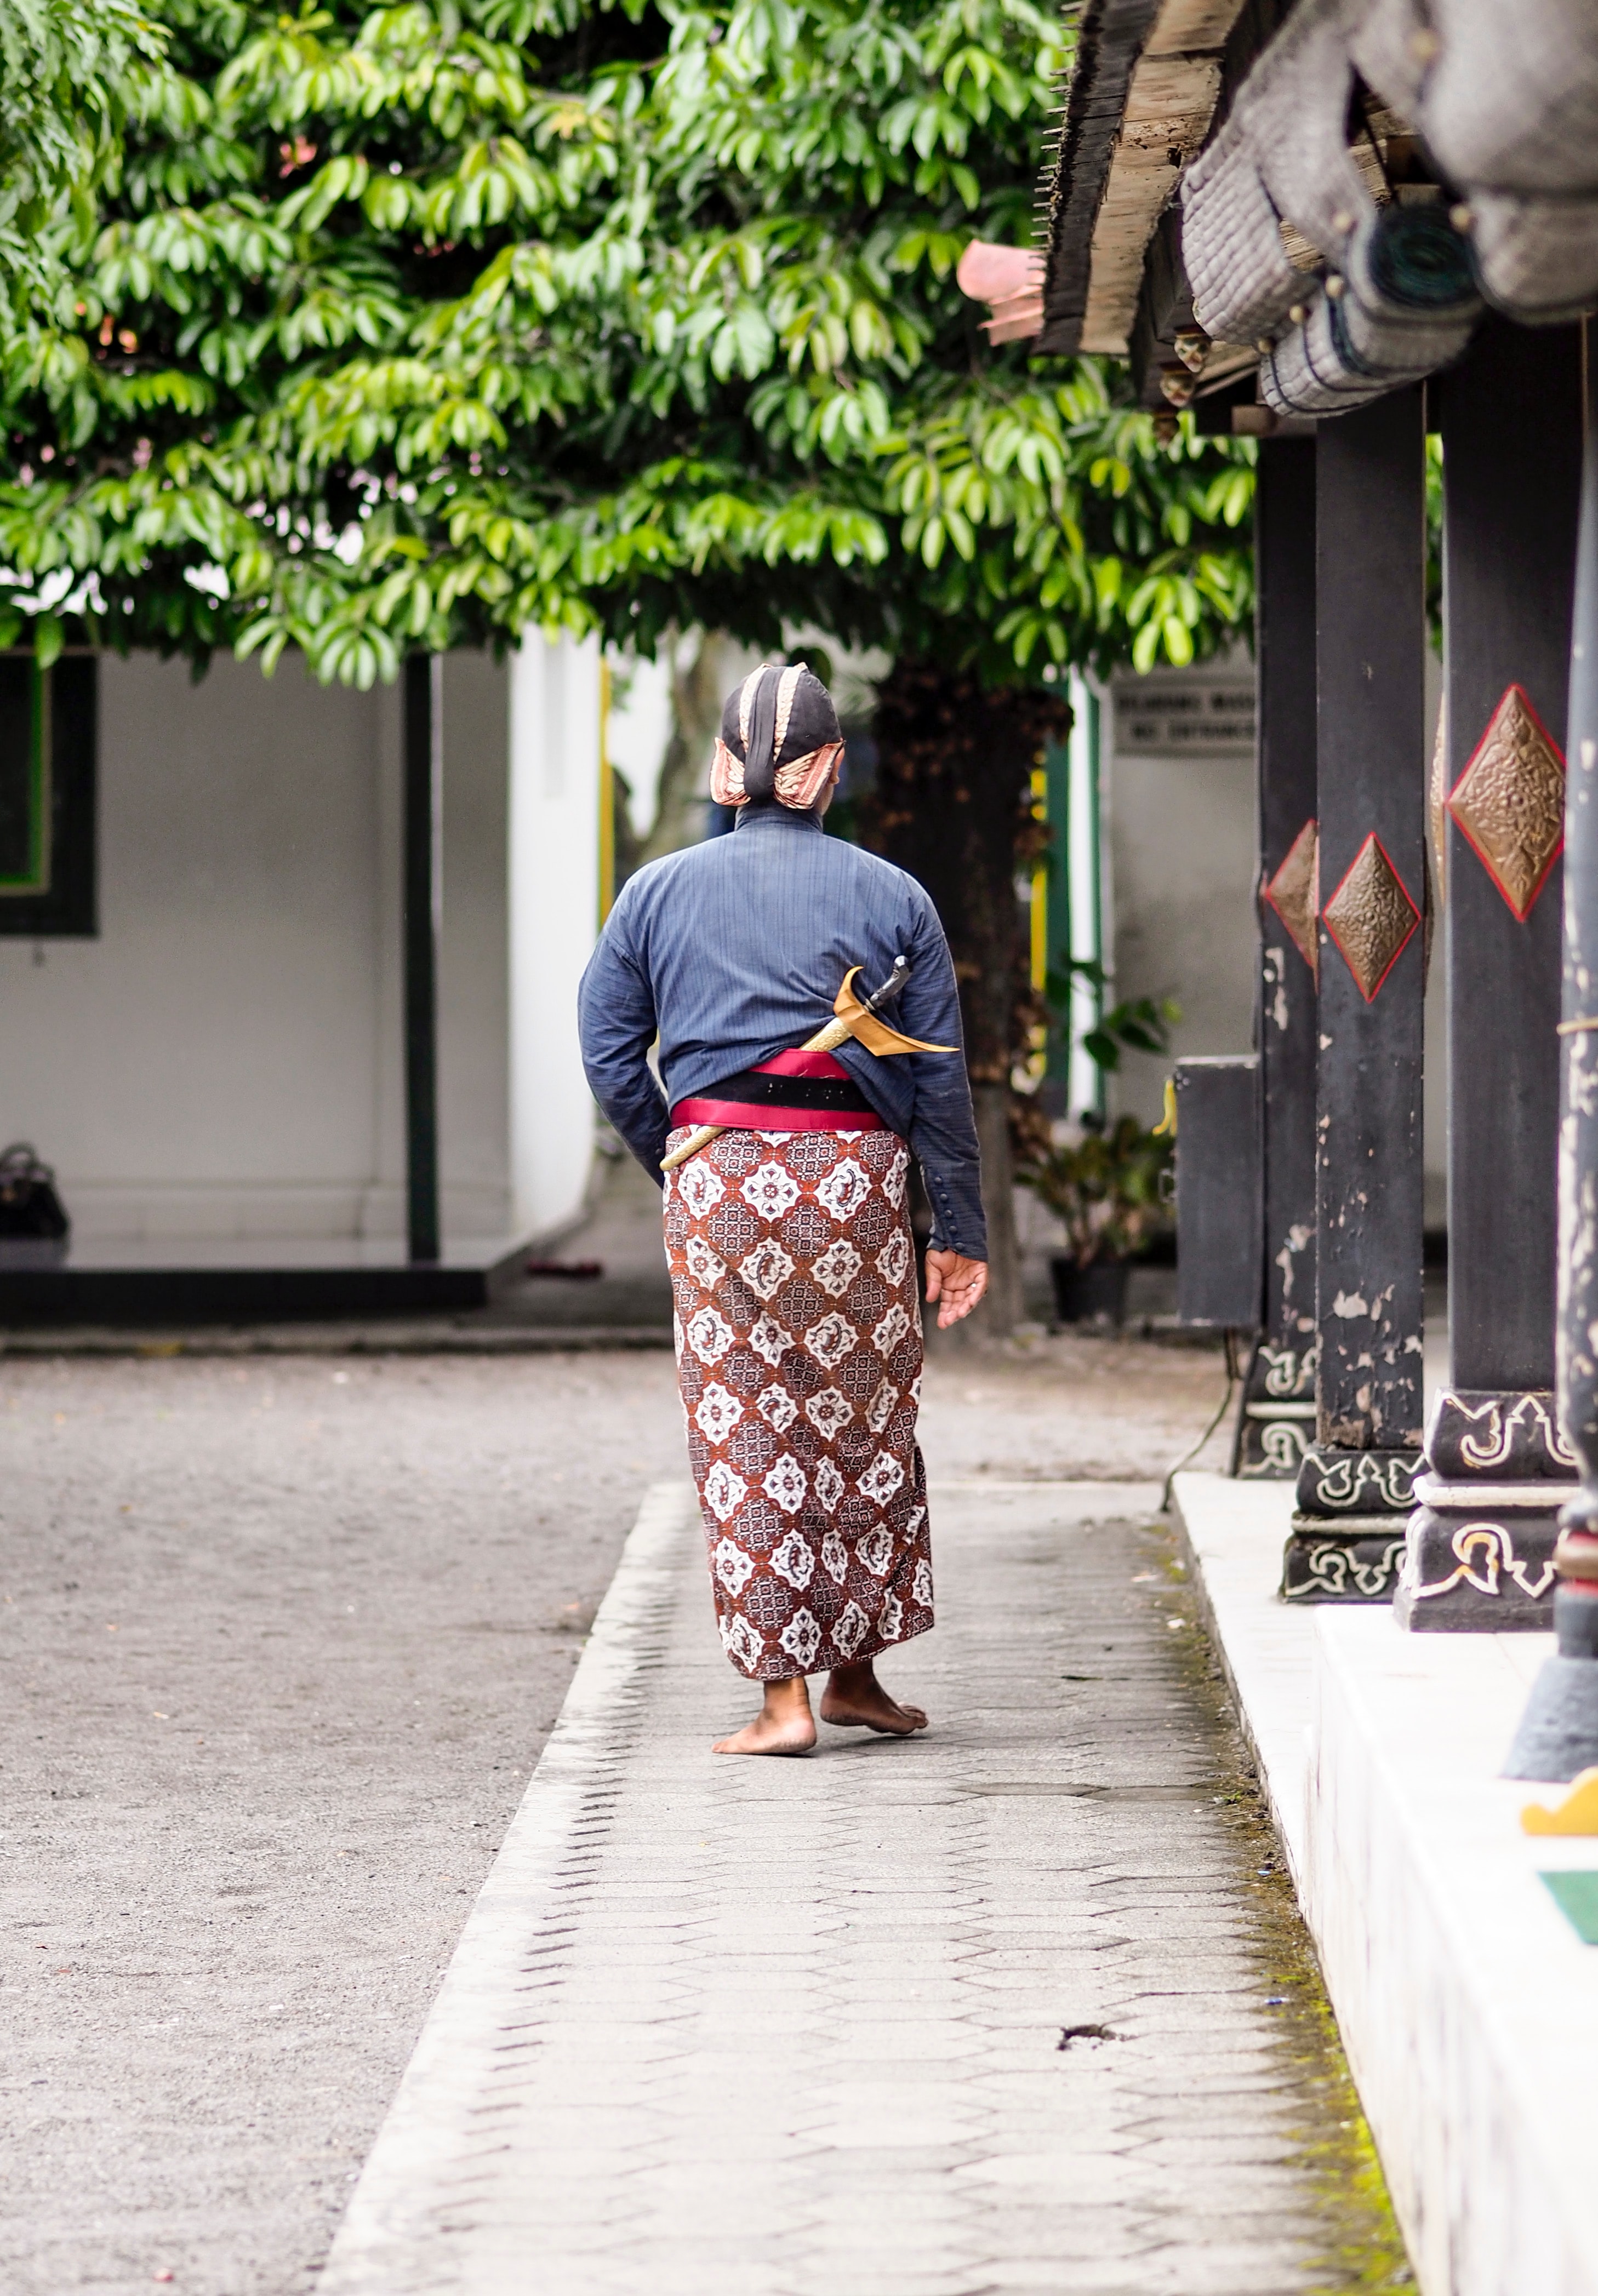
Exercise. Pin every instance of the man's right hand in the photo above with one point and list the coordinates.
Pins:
(955, 1284)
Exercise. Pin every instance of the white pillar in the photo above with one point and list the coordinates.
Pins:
(554, 850)
(1086, 863)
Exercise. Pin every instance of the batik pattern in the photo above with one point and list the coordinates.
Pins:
(798, 1338)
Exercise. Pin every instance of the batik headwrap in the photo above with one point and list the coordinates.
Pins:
(779, 739)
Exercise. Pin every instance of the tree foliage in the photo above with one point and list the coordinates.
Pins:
(67, 70)
(414, 325)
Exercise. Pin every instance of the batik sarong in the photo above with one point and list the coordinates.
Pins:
(798, 1338)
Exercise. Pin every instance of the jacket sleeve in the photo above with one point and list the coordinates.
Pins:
(943, 1130)
(616, 1026)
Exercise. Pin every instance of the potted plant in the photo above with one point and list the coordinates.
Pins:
(1108, 1190)
(1108, 1186)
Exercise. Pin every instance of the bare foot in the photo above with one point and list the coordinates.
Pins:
(783, 1725)
(854, 1700)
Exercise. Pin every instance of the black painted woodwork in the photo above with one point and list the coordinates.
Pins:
(1354, 1559)
(153, 1297)
(1510, 419)
(1276, 1419)
(421, 932)
(1336, 1482)
(1218, 1192)
(1490, 1437)
(24, 777)
(66, 904)
(1511, 1553)
(1577, 1356)
(1285, 651)
(1558, 1737)
(1369, 587)
(1494, 1465)
(1511, 422)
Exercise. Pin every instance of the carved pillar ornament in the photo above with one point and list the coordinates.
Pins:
(1558, 1736)
(1509, 801)
(1480, 1549)
(1276, 1422)
(1371, 916)
(1294, 893)
(1354, 1483)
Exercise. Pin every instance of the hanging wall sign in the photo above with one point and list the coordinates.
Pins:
(1205, 717)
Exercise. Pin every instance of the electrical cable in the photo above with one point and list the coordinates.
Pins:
(1232, 1380)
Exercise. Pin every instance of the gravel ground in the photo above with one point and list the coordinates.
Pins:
(281, 1638)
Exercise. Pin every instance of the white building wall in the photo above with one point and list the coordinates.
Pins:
(1179, 889)
(224, 1061)
(475, 951)
(553, 853)
(1179, 893)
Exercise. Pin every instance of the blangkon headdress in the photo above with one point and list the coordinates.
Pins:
(779, 739)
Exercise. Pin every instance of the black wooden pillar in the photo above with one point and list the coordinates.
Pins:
(1278, 1406)
(1354, 1482)
(1558, 1737)
(422, 761)
(1511, 423)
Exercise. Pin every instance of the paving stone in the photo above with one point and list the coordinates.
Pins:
(806, 2018)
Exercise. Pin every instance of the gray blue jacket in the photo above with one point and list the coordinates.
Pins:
(734, 949)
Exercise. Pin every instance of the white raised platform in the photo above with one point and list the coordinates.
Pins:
(1468, 2005)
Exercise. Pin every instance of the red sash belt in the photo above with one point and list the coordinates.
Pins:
(750, 1116)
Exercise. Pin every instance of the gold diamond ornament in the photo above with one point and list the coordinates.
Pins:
(1291, 893)
(1509, 801)
(1372, 917)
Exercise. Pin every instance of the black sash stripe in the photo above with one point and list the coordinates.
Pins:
(754, 1088)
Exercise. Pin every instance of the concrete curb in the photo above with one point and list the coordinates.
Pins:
(1468, 2005)
(1265, 1649)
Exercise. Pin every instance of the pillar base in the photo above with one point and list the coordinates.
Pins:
(1354, 1560)
(1479, 1552)
(1339, 1484)
(1558, 1736)
(1348, 1539)
(1478, 1570)
(1502, 1436)
(1277, 1424)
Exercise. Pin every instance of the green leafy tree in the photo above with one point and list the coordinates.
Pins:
(67, 70)
(423, 323)
(419, 325)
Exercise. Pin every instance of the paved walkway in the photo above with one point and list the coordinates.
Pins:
(717, 2026)
(281, 1640)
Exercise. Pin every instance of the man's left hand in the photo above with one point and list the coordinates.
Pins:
(955, 1284)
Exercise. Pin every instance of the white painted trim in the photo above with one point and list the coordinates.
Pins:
(1543, 1497)
(1087, 862)
(553, 894)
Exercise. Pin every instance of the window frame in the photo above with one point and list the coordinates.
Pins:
(60, 900)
